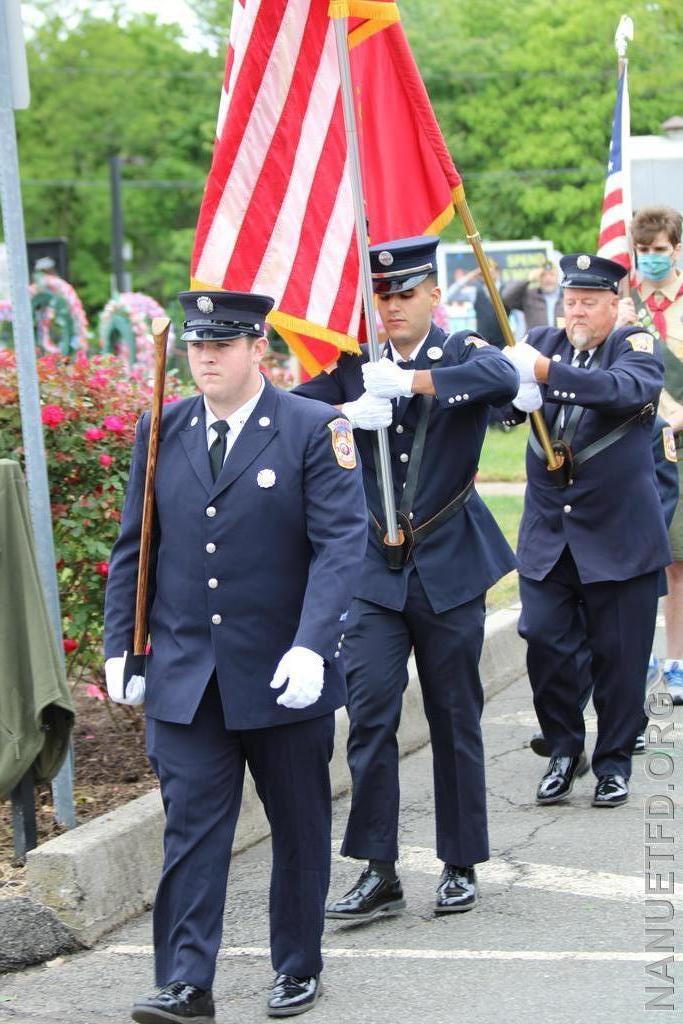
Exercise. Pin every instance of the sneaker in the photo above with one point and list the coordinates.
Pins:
(673, 678)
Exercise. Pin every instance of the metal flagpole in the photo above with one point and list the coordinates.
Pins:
(340, 32)
(29, 398)
(622, 37)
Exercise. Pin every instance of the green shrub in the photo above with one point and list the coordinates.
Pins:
(89, 410)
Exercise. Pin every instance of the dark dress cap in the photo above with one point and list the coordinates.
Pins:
(400, 265)
(219, 316)
(584, 271)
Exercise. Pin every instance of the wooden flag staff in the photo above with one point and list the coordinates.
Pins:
(555, 459)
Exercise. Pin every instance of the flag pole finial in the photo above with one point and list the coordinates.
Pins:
(623, 35)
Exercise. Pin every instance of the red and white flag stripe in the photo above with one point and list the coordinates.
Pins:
(277, 215)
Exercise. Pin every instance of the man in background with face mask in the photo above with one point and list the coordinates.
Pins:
(592, 540)
(657, 301)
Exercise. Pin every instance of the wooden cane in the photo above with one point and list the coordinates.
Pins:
(160, 329)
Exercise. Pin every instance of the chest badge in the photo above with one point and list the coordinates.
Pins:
(342, 443)
(266, 478)
(434, 352)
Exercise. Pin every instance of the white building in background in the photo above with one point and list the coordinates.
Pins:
(657, 167)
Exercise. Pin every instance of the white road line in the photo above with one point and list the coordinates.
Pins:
(597, 956)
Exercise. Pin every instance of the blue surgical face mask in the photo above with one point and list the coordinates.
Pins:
(655, 266)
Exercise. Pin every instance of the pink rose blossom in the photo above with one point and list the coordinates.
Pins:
(94, 434)
(106, 461)
(52, 415)
(115, 424)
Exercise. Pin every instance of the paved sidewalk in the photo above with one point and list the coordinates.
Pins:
(558, 937)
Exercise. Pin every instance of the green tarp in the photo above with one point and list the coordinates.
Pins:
(36, 713)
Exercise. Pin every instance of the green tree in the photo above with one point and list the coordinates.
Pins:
(524, 94)
(127, 86)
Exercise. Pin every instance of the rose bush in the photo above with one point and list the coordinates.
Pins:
(89, 410)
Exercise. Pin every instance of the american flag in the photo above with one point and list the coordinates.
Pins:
(613, 241)
(277, 213)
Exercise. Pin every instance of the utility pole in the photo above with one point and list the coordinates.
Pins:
(117, 223)
(14, 92)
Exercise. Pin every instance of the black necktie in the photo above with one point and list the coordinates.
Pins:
(406, 364)
(583, 359)
(217, 449)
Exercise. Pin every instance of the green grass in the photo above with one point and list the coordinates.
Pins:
(502, 457)
(507, 510)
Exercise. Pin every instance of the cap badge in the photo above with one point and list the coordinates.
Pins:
(583, 262)
(266, 478)
(204, 304)
(385, 258)
(434, 352)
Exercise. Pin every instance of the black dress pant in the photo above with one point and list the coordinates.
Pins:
(201, 771)
(618, 626)
(447, 651)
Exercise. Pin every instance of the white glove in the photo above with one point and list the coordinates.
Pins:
(387, 380)
(528, 398)
(368, 412)
(305, 670)
(135, 690)
(523, 357)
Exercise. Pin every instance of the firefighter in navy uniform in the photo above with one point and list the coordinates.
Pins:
(260, 530)
(593, 538)
(433, 392)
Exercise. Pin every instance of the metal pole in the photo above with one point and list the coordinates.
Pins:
(29, 398)
(116, 223)
(340, 33)
(623, 35)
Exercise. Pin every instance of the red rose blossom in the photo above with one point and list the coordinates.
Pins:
(115, 424)
(94, 434)
(69, 645)
(52, 415)
(102, 568)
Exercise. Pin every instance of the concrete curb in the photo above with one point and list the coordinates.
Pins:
(101, 874)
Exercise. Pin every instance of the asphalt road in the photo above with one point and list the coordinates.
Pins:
(559, 936)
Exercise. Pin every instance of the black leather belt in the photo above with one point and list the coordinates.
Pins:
(414, 535)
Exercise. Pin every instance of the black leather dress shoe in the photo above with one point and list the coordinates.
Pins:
(457, 890)
(610, 791)
(372, 896)
(539, 745)
(176, 1003)
(558, 780)
(290, 995)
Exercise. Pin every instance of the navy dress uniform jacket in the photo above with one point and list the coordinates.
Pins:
(285, 562)
(611, 516)
(471, 376)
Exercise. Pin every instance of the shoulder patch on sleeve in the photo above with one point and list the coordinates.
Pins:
(669, 443)
(342, 442)
(642, 342)
(477, 342)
